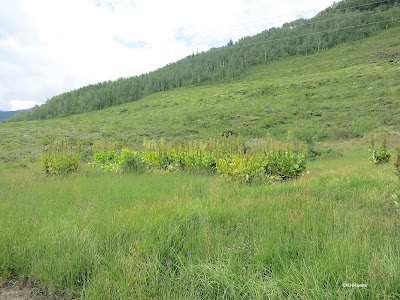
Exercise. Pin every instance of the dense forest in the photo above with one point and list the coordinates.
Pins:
(344, 21)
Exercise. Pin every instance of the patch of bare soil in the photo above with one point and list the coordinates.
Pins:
(12, 290)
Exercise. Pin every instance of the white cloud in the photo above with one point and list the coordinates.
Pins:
(48, 47)
(22, 104)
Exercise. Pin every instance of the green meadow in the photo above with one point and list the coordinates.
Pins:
(100, 235)
(332, 233)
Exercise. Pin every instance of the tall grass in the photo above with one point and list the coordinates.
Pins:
(104, 236)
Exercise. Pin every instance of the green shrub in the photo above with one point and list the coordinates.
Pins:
(200, 162)
(397, 162)
(244, 169)
(181, 160)
(285, 164)
(271, 161)
(381, 156)
(107, 160)
(60, 158)
(262, 168)
(134, 162)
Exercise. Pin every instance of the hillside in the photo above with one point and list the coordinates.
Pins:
(343, 22)
(341, 93)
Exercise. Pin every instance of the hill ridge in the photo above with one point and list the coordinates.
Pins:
(232, 61)
(345, 92)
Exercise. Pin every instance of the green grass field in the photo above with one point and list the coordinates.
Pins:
(97, 235)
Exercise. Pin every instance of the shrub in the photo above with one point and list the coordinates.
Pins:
(285, 164)
(271, 161)
(200, 162)
(134, 162)
(60, 158)
(244, 169)
(397, 162)
(381, 156)
(107, 160)
(262, 168)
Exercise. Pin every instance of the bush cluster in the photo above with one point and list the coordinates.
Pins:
(226, 156)
(60, 158)
(107, 160)
(143, 161)
(263, 167)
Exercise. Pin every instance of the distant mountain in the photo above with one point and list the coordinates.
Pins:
(5, 115)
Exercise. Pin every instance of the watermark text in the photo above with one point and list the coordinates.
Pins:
(354, 285)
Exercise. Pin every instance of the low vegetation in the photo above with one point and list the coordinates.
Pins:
(382, 155)
(226, 156)
(397, 162)
(105, 236)
(60, 158)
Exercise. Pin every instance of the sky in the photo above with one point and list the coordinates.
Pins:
(48, 47)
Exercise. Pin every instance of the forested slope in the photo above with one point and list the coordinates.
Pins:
(341, 93)
(342, 22)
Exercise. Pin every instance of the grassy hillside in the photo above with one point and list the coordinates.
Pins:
(341, 93)
(342, 22)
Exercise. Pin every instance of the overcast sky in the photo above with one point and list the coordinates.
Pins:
(48, 47)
